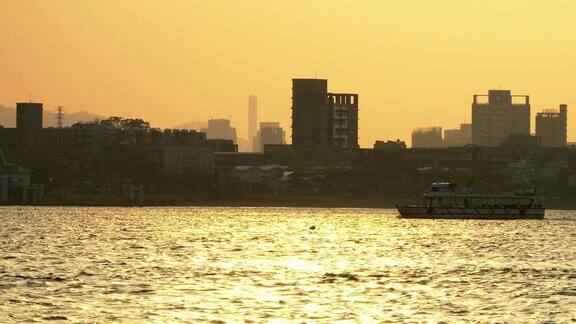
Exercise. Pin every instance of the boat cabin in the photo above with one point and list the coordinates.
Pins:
(444, 194)
(484, 201)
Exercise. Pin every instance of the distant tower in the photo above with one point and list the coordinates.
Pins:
(60, 117)
(252, 120)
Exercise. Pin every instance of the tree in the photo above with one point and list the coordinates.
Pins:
(135, 124)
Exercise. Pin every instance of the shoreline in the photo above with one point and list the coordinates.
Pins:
(254, 201)
(325, 201)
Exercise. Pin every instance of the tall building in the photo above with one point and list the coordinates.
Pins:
(321, 119)
(344, 108)
(551, 126)
(269, 133)
(252, 119)
(29, 128)
(220, 129)
(311, 116)
(427, 137)
(458, 137)
(498, 117)
(29, 115)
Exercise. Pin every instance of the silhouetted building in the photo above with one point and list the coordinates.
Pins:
(226, 160)
(396, 145)
(311, 117)
(222, 145)
(458, 137)
(551, 126)
(29, 128)
(220, 129)
(181, 152)
(427, 137)
(270, 133)
(344, 108)
(498, 117)
(252, 120)
(321, 119)
(521, 141)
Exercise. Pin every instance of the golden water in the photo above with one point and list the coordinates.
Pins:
(267, 264)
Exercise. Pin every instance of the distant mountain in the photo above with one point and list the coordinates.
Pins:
(8, 117)
(195, 125)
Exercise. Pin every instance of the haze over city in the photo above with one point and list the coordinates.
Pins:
(413, 64)
(287, 161)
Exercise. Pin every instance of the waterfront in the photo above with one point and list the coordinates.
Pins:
(266, 264)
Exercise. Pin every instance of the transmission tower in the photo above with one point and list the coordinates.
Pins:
(60, 117)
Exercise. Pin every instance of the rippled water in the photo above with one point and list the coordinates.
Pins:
(267, 264)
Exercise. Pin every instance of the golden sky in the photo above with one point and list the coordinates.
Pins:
(413, 63)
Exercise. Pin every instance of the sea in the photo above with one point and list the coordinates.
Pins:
(313, 265)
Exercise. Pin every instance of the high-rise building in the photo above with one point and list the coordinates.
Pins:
(498, 117)
(311, 127)
(427, 137)
(269, 133)
(344, 108)
(321, 119)
(220, 129)
(252, 119)
(551, 126)
(29, 128)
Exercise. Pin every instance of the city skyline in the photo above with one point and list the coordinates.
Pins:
(287, 161)
(532, 121)
(173, 71)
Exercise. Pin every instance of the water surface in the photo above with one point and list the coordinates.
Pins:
(267, 264)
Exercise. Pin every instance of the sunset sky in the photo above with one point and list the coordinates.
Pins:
(413, 63)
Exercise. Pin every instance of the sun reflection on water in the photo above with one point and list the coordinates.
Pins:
(269, 265)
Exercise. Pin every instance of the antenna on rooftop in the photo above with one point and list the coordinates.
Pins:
(30, 96)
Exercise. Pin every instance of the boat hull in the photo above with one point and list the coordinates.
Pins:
(412, 211)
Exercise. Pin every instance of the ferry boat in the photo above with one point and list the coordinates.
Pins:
(446, 200)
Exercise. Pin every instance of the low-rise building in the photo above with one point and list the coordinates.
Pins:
(427, 137)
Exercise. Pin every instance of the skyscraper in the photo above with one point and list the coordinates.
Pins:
(252, 120)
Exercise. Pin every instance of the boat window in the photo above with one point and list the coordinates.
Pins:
(434, 189)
